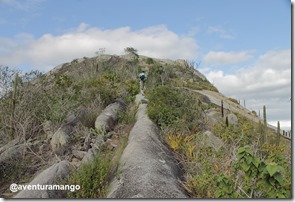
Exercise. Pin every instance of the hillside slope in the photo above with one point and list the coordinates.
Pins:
(81, 114)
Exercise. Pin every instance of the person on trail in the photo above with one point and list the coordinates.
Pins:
(142, 77)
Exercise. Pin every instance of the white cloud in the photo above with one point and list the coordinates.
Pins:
(221, 58)
(284, 124)
(220, 31)
(49, 50)
(266, 82)
(22, 5)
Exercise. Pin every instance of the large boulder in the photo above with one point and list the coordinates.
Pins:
(148, 168)
(107, 119)
(232, 119)
(10, 144)
(13, 152)
(89, 157)
(213, 117)
(61, 137)
(47, 177)
(208, 139)
(77, 116)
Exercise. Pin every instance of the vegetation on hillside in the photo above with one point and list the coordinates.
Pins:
(249, 164)
(246, 166)
(33, 100)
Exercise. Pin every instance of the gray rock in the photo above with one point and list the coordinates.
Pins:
(76, 162)
(10, 144)
(213, 117)
(79, 154)
(47, 177)
(208, 139)
(99, 142)
(14, 152)
(109, 116)
(147, 167)
(89, 157)
(140, 99)
(204, 99)
(232, 119)
(77, 116)
(87, 142)
(61, 137)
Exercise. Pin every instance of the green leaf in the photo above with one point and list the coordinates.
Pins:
(248, 150)
(272, 168)
(272, 181)
(280, 195)
(249, 159)
(278, 178)
(262, 168)
(281, 169)
(256, 162)
(245, 166)
(239, 156)
(241, 150)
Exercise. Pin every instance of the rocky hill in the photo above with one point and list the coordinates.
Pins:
(87, 124)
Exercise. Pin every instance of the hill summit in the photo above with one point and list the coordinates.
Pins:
(87, 127)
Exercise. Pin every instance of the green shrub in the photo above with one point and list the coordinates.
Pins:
(132, 88)
(174, 108)
(92, 178)
(149, 61)
(164, 105)
(233, 100)
(127, 117)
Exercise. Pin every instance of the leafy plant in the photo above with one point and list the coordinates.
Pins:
(174, 141)
(92, 178)
(257, 178)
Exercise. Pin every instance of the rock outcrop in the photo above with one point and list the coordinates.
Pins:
(12, 150)
(105, 122)
(232, 119)
(47, 177)
(147, 168)
(109, 116)
(208, 139)
(62, 136)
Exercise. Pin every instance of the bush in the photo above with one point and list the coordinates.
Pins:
(132, 88)
(149, 61)
(92, 178)
(233, 100)
(174, 108)
(165, 105)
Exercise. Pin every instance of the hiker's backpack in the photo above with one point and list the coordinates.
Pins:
(142, 76)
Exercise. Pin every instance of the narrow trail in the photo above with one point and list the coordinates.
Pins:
(147, 168)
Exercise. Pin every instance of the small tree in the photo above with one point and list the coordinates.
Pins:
(132, 51)
(13, 103)
(100, 51)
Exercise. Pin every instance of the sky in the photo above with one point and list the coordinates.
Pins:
(242, 46)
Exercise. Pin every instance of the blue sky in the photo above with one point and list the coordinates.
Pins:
(245, 43)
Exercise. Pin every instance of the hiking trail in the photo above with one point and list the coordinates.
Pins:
(147, 168)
